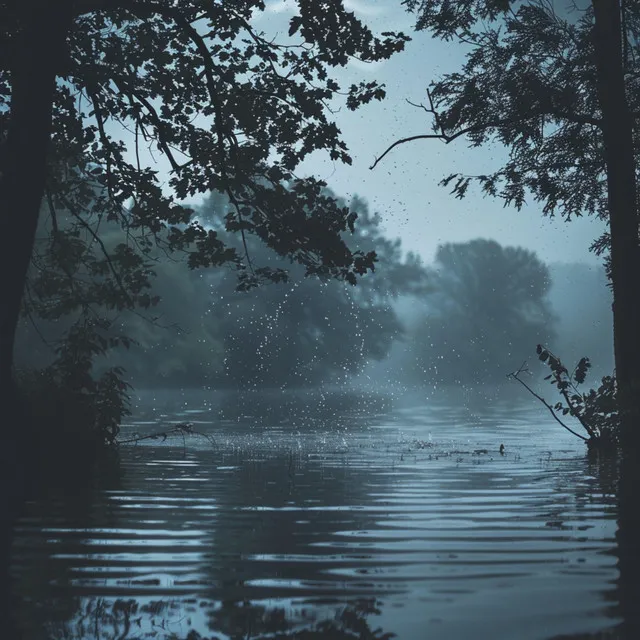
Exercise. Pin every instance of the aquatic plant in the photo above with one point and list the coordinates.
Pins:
(596, 410)
(236, 620)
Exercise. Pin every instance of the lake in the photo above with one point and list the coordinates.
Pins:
(359, 514)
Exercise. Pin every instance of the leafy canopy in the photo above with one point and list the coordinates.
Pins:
(309, 330)
(197, 86)
(198, 329)
(528, 82)
(227, 108)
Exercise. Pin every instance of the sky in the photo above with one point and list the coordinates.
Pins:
(404, 188)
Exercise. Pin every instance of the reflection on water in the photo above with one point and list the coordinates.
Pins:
(333, 514)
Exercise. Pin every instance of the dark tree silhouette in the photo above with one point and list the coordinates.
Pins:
(227, 107)
(488, 312)
(559, 90)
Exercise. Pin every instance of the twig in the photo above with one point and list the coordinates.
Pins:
(565, 394)
(515, 376)
(182, 429)
(447, 138)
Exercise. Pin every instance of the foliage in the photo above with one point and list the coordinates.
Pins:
(176, 342)
(489, 302)
(308, 330)
(596, 410)
(226, 106)
(76, 283)
(558, 87)
(530, 83)
(199, 330)
(67, 403)
(229, 108)
(65, 288)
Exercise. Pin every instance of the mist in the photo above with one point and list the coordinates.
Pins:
(307, 320)
(469, 318)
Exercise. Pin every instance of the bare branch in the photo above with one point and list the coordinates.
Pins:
(441, 133)
(425, 136)
(182, 429)
(516, 376)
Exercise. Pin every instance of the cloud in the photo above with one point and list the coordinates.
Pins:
(281, 6)
(365, 7)
(362, 7)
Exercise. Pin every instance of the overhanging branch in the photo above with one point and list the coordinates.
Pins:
(516, 376)
(440, 132)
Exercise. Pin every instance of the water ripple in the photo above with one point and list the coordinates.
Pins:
(416, 507)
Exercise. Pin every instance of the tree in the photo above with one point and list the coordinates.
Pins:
(488, 311)
(193, 327)
(305, 331)
(560, 92)
(86, 86)
(90, 90)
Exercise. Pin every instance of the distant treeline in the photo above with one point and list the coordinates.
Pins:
(471, 317)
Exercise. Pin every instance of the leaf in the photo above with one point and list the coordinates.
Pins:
(294, 24)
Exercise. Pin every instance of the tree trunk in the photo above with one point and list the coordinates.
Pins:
(617, 128)
(618, 125)
(37, 47)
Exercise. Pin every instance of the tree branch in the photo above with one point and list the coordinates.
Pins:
(516, 376)
(97, 239)
(441, 133)
(126, 89)
(426, 136)
(106, 144)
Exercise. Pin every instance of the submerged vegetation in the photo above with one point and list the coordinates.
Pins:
(236, 620)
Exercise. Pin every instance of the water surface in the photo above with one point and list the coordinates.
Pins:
(296, 506)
